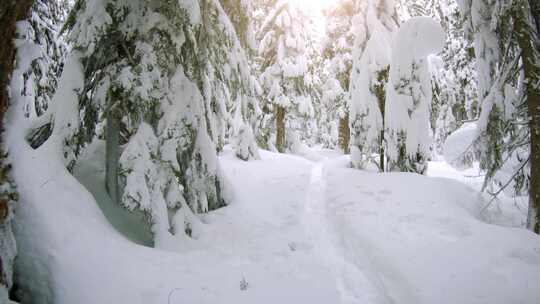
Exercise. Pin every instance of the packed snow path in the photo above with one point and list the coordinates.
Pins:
(298, 231)
(352, 282)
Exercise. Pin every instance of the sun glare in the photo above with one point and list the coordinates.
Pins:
(315, 9)
(312, 5)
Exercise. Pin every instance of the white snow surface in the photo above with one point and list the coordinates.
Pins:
(297, 231)
(460, 142)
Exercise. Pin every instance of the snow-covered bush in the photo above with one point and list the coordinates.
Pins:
(245, 147)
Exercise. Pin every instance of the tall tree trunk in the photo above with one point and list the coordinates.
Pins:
(535, 11)
(382, 153)
(11, 11)
(380, 92)
(112, 156)
(344, 134)
(529, 42)
(280, 126)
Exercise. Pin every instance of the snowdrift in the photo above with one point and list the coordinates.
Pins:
(422, 240)
(297, 232)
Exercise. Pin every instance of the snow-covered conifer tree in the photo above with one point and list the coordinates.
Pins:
(409, 95)
(162, 80)
(45, 52)
(506, 43)
(497, 56)
(245, 104)
(310, 125)
(226, 80)
(337, 50)
(368, 93)
(453, 75)
(373, 26)
(240, 13)
(283, 47)
(41, 59)
(527, 24)
(489, 48)
(333, 96)
(39, 56)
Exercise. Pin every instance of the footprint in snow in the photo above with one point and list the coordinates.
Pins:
(385, 192)
(368, 193)
(531, 257)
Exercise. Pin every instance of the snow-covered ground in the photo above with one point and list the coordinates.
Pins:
(301, 229)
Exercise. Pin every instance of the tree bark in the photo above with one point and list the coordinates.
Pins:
(344, 134)
(280, 126)
(112, 156)
(529, 42)
(535, 12)
(380, 92)
(11, 11)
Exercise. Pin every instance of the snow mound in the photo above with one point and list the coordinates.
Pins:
(458, 146)
(423, 241)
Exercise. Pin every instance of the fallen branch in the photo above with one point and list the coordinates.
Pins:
(496, 194)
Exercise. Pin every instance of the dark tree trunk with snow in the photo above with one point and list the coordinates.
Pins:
(112, 156)
(380, 92)
(11, 11)
(529, 42)
(280, 126)
(344, 134)
(535, 12)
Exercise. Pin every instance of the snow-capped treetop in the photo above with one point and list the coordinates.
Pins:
(415, 40)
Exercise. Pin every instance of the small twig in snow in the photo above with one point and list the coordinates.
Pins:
(496, 194)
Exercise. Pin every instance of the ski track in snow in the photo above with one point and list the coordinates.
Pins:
(353, 282)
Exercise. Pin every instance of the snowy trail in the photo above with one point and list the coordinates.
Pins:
(352, 283)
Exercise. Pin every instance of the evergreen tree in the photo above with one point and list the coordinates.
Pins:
(333, 96)
(453, 75)
(40, 65)
(527, 25)
(506, 36)
(240, 13)
(337, 51)
(488, 49)
(226, 80)
(409, 95)
(311, 124)
(247, 110)
(164, 79)
(373, 26)
(35, 69)
(368, 93)
(501, 139)
(283, 46)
